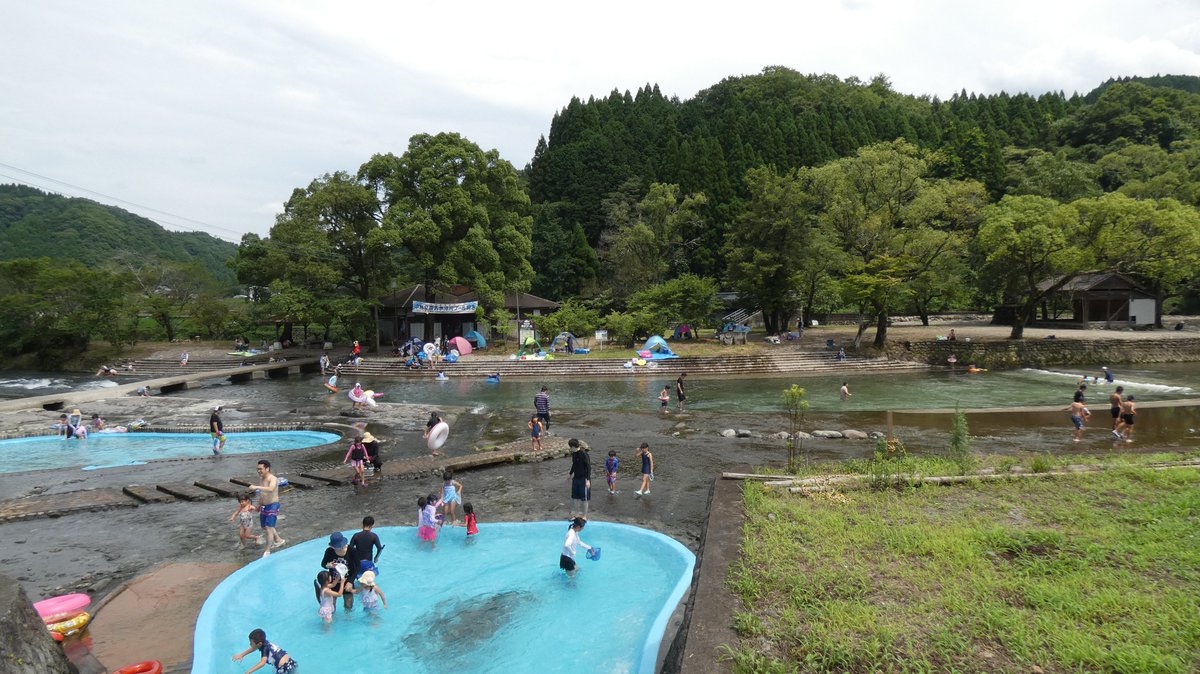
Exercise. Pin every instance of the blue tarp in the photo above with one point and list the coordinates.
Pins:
(657, 346)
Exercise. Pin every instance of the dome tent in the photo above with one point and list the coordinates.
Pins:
(656, 348)
(476, 338)
(564, 341)
(530, 346)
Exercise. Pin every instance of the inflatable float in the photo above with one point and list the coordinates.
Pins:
(143, 667)
(976, 369)
(493, 379)
(359, 396)
(63, 607)
(71, 625)
(437, 436)
(441, 376)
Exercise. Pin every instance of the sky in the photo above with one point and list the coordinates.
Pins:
(206, 114)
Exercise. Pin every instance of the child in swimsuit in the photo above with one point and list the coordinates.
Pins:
(427, 524)
(664, 398)
(357, 456)
(451, 496)
(369, 593)
(245, 521)
(469, 522)
(610, 469)
(271, 654)
(535, 433)
(332, 586)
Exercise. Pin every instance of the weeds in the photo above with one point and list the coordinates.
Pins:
(960, 444)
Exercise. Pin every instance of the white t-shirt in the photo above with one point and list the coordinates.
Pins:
(572, 541)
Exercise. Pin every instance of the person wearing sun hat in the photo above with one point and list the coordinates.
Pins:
(371, 594)
(372, 445)
(337, 558)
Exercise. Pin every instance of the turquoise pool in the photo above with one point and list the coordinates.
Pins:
(102, 450)
(497, 604)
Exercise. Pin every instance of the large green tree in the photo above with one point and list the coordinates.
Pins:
(457, 214)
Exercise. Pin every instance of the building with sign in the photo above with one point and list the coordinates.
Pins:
(454, 313)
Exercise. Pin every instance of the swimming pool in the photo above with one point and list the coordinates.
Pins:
(497, 604)
(101, 450)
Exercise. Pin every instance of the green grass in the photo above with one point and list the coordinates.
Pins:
(1089, 572)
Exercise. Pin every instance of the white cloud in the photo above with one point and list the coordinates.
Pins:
(216, 111)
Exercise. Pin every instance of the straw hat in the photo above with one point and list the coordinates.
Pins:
(367, 578)
(367, 437)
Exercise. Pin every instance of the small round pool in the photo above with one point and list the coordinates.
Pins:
(101, 450)
(495, 604)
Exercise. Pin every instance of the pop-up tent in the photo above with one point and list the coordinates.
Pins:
(656, 348)
(477, 339)
(529, 346)
(565, 341)
(463, 346)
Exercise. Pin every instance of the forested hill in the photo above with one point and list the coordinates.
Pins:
(34, 223)
(589, 175)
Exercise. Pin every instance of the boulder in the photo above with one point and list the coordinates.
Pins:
(743, 433)
(826, 434)
(781, 435)
(24, 640)
(801, 435)
(729, 433)
(853, 434)
(680, 426)
(876, 435)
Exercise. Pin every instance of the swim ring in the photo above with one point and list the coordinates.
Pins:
(72, 625)
(332, 389)
(493, 378)
(143, 667)
(429, 349)
(437, 436)
(367, 397)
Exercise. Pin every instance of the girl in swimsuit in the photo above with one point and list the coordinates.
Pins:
(331, 588)
(451, 496)
(357, 456)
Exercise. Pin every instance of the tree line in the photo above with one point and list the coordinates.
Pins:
(803, 193)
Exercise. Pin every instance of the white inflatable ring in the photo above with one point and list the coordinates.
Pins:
(455, 353)
(437, 436)
(429, 349)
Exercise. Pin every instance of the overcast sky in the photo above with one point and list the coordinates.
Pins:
(211, 111)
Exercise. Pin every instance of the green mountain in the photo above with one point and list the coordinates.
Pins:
(34, 223)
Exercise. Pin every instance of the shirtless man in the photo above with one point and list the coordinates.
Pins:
(1079, 412)
(1114, 402)
(1128, 416)
(268, 505)
(845, 392)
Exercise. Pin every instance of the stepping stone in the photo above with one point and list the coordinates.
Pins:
(301, 483)
(334, 476)
(147, 494)
(219, 488)
(185, 491)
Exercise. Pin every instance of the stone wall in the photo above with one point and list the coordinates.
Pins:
(25, 644)
(1044, 352)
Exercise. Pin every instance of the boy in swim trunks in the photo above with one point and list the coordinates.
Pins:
(268, 505)
(217, 429)
(1128, 416)
(1114, 401)
(1078, 413)
(271, 654)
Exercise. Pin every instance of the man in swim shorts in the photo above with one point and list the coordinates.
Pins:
(268, 505)
(217, 429)
(1114, 401)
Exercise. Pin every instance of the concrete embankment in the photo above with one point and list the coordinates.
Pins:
(1044, 352)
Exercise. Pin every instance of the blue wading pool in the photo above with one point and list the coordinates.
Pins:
(496, 604)
(119, 449)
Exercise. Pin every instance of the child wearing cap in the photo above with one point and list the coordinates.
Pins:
(372, 596)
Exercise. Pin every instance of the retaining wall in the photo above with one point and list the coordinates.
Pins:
(1043, 352)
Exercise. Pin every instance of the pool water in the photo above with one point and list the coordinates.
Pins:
(101, 450)
(496, 604)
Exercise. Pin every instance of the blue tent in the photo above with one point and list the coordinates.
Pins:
(658, 349)
(476, 339)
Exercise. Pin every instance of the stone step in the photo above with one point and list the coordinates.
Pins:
(338, 476)
(185, 491)
(57, 505)
(147, 494)
(292, 481)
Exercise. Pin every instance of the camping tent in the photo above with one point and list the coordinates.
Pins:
(530, 345)
(463, 346)
(656, 348)
(477, 339)
(565, 341)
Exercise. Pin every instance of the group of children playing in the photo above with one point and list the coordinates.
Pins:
(430, 522)
(613, 462)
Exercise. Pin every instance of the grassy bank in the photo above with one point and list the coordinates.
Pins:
(1087, 572)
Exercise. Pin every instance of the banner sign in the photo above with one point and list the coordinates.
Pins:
(432, 308)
